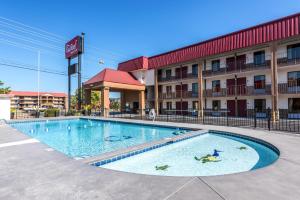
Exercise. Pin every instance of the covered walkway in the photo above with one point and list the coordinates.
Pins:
(132, 92)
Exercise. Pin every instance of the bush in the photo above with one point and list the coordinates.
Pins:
(51, 112)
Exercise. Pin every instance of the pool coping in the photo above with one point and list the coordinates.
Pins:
(137, 149)
(61, 176)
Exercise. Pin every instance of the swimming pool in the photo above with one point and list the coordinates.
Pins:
(205, 155)
(86, 137)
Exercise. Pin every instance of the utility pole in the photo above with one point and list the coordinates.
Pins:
(38, 82)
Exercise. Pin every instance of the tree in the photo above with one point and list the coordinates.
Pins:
(95, 99)
(4, 90)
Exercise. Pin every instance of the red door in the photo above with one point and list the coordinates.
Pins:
(184, 89)
(241, 86)
(242, 108)
(230, 62)
(178, 73)
(178, 91)
(178, 107)
(184, 107)
(231, 108)
(184, 71)
(241, 61)
(230, 83)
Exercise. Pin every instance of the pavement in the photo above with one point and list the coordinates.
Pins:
(32, 170)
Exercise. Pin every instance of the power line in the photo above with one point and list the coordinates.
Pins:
(46, 34)
(27, 67)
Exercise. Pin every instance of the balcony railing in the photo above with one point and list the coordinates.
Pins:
(239, 67)
(178, 95)
(289, 88)
(240, 90)
(177, 78)
(284, 61)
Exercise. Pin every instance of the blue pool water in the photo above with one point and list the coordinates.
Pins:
(234, 155)
(83, 137)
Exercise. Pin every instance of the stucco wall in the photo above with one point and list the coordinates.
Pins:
(4, 107)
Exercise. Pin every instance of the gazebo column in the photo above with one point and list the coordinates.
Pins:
(142, 102)
(123, 100)
(87, 96)
(105, 101)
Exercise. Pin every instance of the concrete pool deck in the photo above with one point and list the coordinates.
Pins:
(32, 170)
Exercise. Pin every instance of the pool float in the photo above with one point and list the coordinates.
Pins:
(207, 158)
(216, 153)
(242, 148)
(163, 167)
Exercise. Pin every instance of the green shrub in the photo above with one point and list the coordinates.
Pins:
(51, 112)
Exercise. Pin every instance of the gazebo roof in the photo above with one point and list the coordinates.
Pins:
(113, 76)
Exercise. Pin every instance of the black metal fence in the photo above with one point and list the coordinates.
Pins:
(263, 119)
(252, 118)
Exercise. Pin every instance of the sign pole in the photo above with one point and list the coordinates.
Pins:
(69, 86)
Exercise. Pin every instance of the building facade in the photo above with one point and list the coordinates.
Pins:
(29, 100)
(251, 69)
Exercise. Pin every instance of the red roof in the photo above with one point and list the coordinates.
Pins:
(134, 64)
(268, 32)
(31, 94)
(115, 76)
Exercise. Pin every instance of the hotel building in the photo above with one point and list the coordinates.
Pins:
(29, 100)
(254, 68)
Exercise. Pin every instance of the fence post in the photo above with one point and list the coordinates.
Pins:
(269, 118)
(227, 122)
(255, 118)
(167, 116)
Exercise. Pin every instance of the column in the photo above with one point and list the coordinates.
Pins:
(274, 79)
(105, 101)
(200, 90)
(156, 92)
(142, 102)
(123, 100)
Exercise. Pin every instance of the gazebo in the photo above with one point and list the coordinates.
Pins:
(132, 92)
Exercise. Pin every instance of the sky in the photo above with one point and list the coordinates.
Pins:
(115, 31)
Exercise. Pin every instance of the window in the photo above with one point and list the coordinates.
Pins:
(215, 65)
(259, 57)
(216, 105)
(293, 51)
(293, 79)
(169, 105)
(260, 105)
(195, 105)
(168, 73)
(216, 86)
(259, 82)
(195, 88)
(195, 70)
(294, 105)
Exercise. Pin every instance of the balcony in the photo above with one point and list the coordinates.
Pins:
(177, 78)
(284, 61)
(240, 90)
(289, 88)
(239, 67)
(178, 95)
